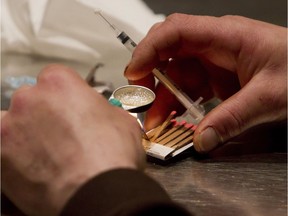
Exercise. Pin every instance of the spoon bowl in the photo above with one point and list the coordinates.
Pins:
(134, 98)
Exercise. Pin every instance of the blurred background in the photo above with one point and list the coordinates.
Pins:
(266, 10)
(33, 33)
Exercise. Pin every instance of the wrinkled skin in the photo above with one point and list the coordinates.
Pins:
(57, 135)
(239, 60)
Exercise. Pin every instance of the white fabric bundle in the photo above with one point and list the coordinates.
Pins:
(70, 30)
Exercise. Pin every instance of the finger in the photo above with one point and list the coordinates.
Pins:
(191, 76)
(155, 27)
(56, 78)
(148, 81)
(224, 83)
(194, 84)
(186, 35)
(255, 104)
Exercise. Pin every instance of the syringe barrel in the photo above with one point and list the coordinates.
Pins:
(127, 41)
(181, 96)
(191, 107)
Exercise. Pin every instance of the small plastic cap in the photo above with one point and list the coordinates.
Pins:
(115, 102)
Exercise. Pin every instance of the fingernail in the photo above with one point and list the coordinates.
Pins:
(130, 82)
(126, 68)
(208, 140)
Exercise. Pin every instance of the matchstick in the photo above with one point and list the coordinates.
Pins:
(173, 135)
(176, 126)
(163, 126)
(151, 133)
(183, 142)
(187, 140)
(181, 137)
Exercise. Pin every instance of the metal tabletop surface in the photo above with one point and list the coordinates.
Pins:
(247, 185)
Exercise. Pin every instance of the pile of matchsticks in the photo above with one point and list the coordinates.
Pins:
(171, 133)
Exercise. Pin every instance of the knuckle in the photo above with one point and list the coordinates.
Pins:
(175, 16)
(20, 98)
(272, 101)
(54, 74)
(237, 120)
(233, 124)
(155, 27)
(179, 20)
(233, 19)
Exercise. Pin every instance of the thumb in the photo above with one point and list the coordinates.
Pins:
(251, 106)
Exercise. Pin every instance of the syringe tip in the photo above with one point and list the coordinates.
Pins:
(98, 12)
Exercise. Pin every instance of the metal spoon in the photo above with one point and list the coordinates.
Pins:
(134, 98)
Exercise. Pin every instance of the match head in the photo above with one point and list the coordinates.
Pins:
(173, 113)
(188, 125)
(182, 123)
(174, 122)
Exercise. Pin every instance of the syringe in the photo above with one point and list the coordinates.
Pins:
(193, 108)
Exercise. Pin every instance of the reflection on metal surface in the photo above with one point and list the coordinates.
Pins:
(134, 98)
(251, 185)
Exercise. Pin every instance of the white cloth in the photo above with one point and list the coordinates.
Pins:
(70, 30)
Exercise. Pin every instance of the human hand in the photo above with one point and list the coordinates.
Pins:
(239, 60)
(57, 135)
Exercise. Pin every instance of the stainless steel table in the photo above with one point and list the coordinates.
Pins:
(249, 185)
